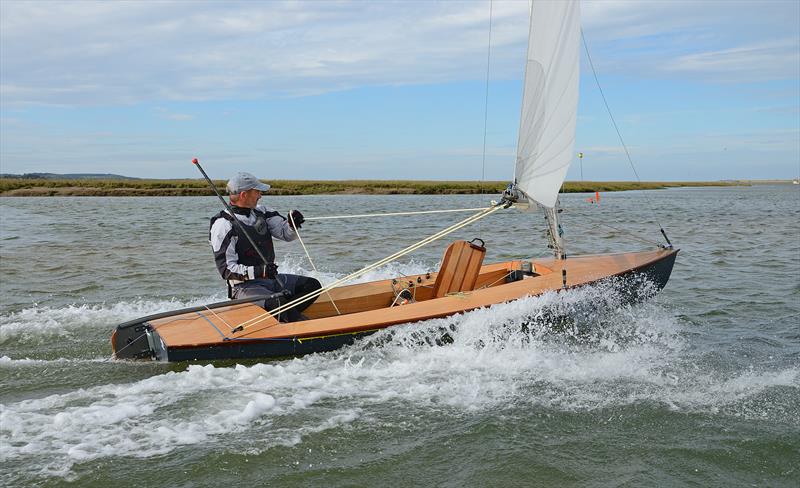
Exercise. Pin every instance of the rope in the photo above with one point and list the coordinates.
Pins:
(497, 280)
(217, 316)
(275, 312)
(486, 100)
(392, 214)
(614, 123)
(365, 270)
(114, 354)
(621, 231)
(297, 231)
(479, 228)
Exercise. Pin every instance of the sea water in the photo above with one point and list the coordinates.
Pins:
(699, 386)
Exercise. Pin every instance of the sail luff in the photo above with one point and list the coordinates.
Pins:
(549, 101)
(523, 114)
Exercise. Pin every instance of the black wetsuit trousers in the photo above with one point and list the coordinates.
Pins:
(298, 286)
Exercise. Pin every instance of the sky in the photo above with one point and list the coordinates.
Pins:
(700, 90)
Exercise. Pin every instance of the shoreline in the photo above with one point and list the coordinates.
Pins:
(21, 187)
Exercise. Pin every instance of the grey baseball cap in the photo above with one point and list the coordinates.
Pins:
(243, 182)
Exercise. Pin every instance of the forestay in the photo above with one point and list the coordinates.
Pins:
(549, 100)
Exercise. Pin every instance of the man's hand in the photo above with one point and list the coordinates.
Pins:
(297, 217)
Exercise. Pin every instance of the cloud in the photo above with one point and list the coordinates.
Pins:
(101, 53)
(700, 39)
(781, 109)
(763, 140)
(179, 117)
(90, 53)
(757, 62)
(169, 115)
(602, 150)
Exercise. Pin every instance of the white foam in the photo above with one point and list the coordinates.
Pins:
(7, 362)
(610, 355)
(156, 415)
(41, 322)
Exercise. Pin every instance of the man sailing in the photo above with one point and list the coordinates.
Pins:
(238, 261)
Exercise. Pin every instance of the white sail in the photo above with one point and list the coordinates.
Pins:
(549, 100)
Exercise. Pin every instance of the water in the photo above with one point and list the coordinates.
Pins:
(700, 386)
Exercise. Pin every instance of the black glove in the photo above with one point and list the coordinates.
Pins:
(297, 217)
(269, 271)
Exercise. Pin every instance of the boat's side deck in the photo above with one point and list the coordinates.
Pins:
(375, 295)
(367, 306)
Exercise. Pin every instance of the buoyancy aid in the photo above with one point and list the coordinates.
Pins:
(258, 232)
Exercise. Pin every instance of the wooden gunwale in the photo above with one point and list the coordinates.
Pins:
(580, 271)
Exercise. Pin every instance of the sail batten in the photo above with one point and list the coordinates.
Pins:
(549, 100)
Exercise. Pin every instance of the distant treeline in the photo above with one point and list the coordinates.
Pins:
(197, 187)
(68, 176)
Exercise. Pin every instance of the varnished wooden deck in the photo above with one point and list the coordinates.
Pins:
(366, 306)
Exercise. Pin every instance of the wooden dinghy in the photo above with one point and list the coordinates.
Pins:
(243, 329)
(462, 284)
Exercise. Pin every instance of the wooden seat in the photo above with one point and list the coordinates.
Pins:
(461, 264)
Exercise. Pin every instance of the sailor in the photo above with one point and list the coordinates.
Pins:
(238, 261)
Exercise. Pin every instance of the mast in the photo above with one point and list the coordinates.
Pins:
(554, 232)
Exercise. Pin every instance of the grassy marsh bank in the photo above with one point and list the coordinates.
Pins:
(197, 187)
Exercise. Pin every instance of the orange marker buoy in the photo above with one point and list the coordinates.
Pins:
(597, 197)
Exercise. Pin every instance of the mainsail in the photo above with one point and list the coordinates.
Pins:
(549, 100)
